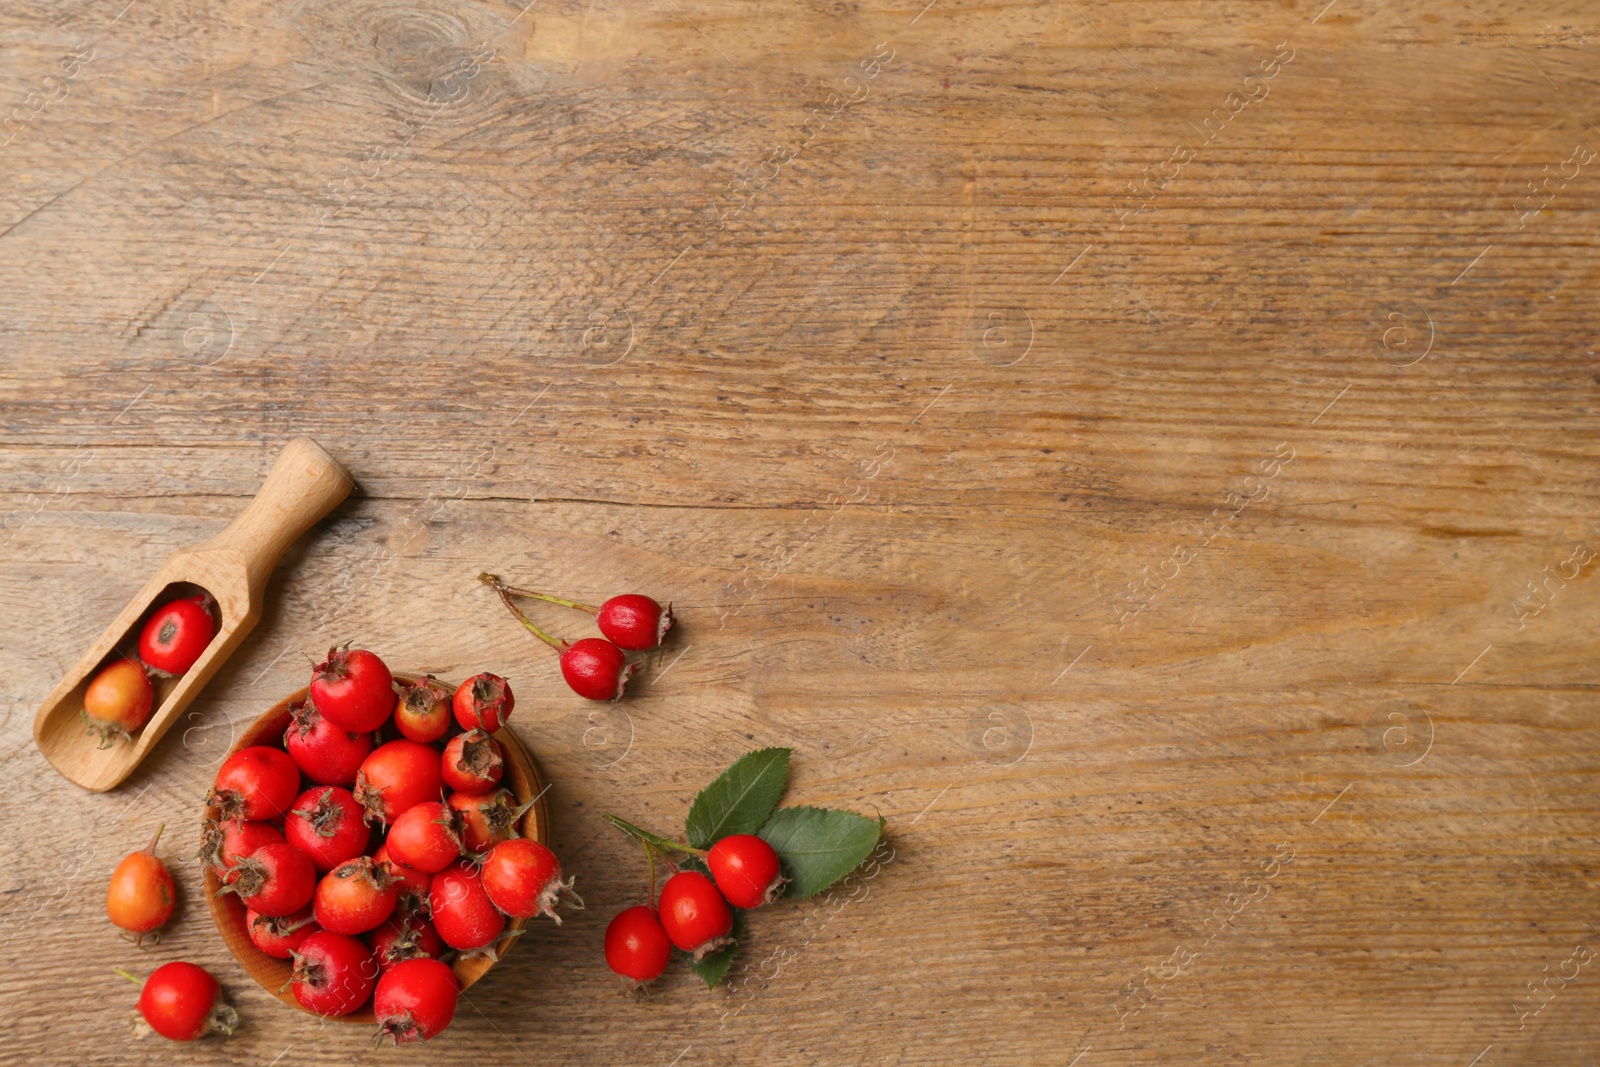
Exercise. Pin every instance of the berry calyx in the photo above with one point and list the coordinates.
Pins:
(412, 883)
(327, 825)
(636, 946)
(224, 844)
(694, 915)
(404, 937)
(487, 819)
(746, 870)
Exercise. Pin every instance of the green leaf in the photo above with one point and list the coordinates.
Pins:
(741, 798)
(715, 966)
(819, 846)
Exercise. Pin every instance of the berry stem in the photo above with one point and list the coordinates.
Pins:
(307, 921)
(648, 838)
(132, 978)
(494, 580)
(554, 642)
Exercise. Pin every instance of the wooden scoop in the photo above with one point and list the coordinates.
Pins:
(303, 486)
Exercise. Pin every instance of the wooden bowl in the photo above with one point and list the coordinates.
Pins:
(521, 777)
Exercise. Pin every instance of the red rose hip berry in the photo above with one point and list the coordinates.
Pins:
(396, 776)
(694, 915)
(224, 844)
(472, 762)
(631, 621)
(523, 879)
(636, 946)
(593, 668)
(462, 912)
(634, 622)
(353, 689)
(596, 669)
(176, 634)
(117, 701)
(422, 709)
(181, 1001)
(415, 1000)
(354, 897)
(483, 702)
(275, 879)
(404, 937)
(255, 783)
(325, 753)
(409, 881)
(746, 870)
(333, 973)
(140, 897)
(488, 819)
(279, 936)
(425, 838)
(327, 825)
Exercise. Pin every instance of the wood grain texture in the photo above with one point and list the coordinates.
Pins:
(930, 438)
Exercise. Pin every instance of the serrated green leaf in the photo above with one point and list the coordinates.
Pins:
(715, 966)
(740, 799)
(819, 846)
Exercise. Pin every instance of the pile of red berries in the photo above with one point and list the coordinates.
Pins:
(597, 667)
(742, 851)
(693, 912)
(118, 699)
(378, 839)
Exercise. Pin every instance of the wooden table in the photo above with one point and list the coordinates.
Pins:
(1146, 452)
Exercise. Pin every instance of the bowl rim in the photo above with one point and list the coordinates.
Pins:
(228, 912)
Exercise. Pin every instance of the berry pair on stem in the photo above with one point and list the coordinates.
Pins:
(694, 913)
(596, 667)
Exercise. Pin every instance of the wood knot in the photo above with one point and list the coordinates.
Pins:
(428, 56)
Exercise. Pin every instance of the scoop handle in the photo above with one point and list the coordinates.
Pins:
(304, 485)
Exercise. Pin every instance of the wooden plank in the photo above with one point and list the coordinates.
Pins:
(930, 436)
